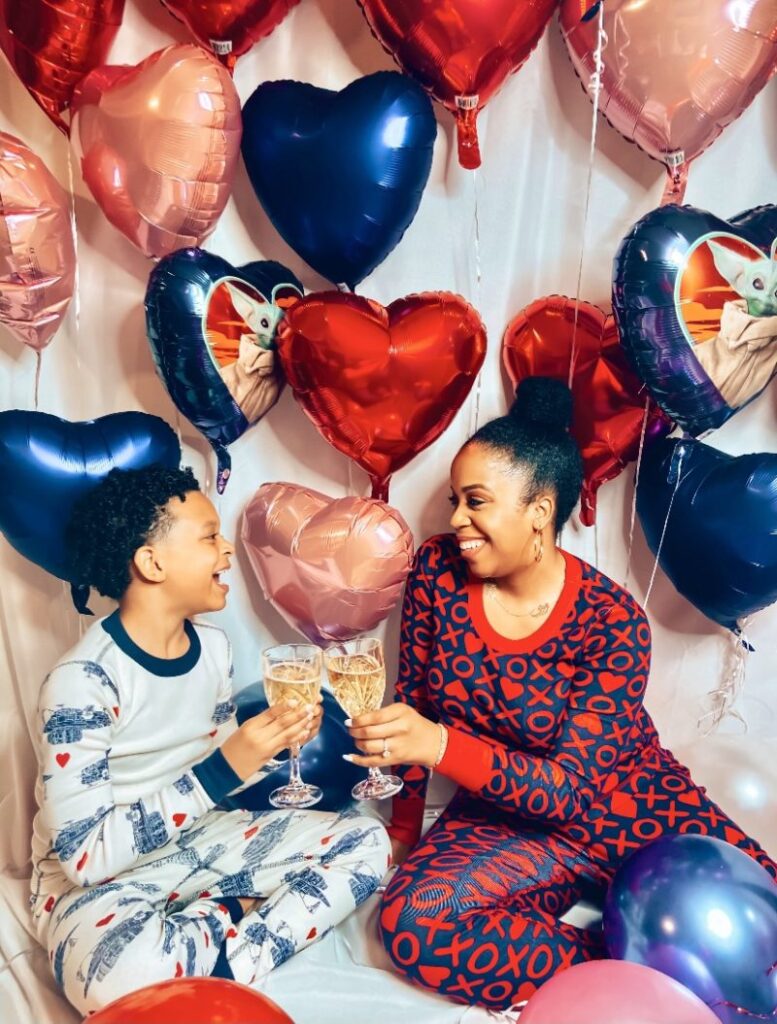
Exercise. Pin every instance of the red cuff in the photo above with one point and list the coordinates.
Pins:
(468, 760)
(407, 817)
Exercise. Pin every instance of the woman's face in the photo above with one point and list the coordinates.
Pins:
(494, 525)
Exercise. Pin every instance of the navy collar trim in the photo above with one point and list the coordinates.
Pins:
(157, 666)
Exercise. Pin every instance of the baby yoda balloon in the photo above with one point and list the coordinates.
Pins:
(742, 357)
(754, 280)
(695, 299)
(211, 327)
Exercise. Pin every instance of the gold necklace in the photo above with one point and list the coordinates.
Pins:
(534, 613)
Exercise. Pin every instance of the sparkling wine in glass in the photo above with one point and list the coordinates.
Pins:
(293, 672)
(357, 674)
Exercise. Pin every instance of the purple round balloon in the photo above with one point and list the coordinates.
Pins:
(705, 913)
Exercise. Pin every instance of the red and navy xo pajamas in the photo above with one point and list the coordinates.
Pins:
(561, 776)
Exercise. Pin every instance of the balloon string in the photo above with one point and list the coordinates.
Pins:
(746, 1013)
(595, 86)
(596, 544)
(9, 645)
(634, 495)
(475, 406)
(77, 276)
(678, 477)
(38, 361)
(723, 698)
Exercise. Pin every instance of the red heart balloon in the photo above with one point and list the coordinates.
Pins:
(459, 50)
(229, 27)
(608, 397)
(381, 383)
(51, 46)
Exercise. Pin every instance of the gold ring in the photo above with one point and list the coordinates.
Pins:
(386, 751)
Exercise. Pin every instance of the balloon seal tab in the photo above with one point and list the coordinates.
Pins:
(224, 467)
(591, 13)
(676, 463)
(676, 177)
(80, 597)
(221, 47)
(380, 488)
(467, 131)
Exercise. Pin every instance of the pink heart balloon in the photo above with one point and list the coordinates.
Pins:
(158, 145)
(674, 74)
(333, 567)
(37, 253)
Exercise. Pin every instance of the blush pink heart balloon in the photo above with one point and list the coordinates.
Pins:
(333, 567)
(674, 74)
(158, 145)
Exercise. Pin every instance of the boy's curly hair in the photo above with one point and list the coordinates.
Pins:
(122, 513)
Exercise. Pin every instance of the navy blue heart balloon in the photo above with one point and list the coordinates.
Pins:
(720, 544)
(340, 174)
(48, 463)
(321, 760)
(695, 300)
(211, 327)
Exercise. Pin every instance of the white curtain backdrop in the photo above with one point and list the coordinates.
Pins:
(530, 195)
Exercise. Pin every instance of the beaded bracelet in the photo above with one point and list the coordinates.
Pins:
(443, 744)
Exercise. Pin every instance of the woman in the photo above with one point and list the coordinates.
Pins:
(522, 674)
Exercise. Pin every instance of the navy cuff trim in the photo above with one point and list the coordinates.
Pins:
(216, 776)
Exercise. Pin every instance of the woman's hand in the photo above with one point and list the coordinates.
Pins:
(396, 734)
(261, 737)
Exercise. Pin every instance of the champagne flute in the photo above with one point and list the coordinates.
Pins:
(293, 672)
(357, 673)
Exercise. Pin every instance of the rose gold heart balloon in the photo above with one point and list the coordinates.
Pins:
(333, 567)
(158, 145)
(674, 74)
(37, 255)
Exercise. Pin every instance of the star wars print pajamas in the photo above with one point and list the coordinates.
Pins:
(131, 855)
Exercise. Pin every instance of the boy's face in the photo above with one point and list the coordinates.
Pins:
(191, 555)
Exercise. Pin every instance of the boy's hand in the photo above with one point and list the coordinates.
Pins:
(260, 738)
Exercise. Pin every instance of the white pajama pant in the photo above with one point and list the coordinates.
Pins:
(162, 919)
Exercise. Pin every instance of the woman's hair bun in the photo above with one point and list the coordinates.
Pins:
(542, 402)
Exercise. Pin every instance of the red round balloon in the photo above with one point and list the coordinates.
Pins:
(608, 397)
(381, 383)
(51, 46)
(229, 27)
(192, 1001)
(460, 51)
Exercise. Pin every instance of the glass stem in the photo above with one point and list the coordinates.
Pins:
(374, 774)
(295, 778)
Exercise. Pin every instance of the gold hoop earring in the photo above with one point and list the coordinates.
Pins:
(539, 548)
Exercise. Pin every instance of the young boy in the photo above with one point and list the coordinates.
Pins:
(137, 876)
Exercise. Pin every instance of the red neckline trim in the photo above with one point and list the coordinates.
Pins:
(562, 607)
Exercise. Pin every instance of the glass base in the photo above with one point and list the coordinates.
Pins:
(377, 787)
(303, 795)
